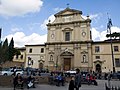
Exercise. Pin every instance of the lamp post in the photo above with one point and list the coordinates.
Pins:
(56, 64)
(109, 24)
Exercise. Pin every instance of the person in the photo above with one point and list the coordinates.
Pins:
(18, 80)
(59, 80)
(94, 81)
(105, 76)
(71, 83)
(31, 82)
(77, 79)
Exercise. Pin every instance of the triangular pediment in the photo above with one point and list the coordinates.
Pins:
(66, 53)
(68, 11)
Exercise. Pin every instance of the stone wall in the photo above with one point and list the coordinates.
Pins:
(8, 80)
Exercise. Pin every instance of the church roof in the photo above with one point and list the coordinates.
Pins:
(73, 11)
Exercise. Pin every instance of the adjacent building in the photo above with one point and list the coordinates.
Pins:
(18, 60)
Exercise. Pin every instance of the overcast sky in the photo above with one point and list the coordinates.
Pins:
(25, 20)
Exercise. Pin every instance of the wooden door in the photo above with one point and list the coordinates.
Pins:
(67, 64)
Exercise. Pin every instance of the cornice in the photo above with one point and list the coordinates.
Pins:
(66, 23)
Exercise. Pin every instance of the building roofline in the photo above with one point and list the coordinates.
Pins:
(36, 45)
(72, 42)
(20, 48)
(85, 21)
(68, 9)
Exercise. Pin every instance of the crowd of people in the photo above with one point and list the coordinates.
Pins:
(18, 80)
(59, 79)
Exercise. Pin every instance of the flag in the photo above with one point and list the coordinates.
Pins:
(109, 24)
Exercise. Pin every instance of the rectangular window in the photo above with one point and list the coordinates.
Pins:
(97, 49)
(116, 49)
(97, 57)
(16, 56)
(30, 50)
(67, 36)
(117, 62)
(42, 50)
(21, 57)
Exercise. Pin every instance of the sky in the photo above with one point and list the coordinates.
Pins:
(25, 20)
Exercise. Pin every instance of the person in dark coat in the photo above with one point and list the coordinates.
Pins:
(18, 80)
(31, 79)
(77, 79)
(71, 84)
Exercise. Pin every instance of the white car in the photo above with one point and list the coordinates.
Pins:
(6, 72)
(10, 72)
(19, 71)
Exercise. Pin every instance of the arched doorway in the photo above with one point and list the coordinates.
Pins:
(98, 68)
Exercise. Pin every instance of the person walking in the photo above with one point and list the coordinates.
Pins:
(77, 79)
(71, 83)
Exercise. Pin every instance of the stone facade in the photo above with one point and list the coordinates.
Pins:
(69, 45)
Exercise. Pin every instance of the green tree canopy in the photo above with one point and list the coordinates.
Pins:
(114, 35)
(7, 51)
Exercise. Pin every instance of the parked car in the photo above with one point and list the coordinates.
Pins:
(19, 71)
(6, 71)
(9, 71)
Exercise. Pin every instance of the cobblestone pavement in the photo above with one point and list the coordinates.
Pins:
(101, 86)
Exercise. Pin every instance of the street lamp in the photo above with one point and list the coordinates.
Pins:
(56, 64)
(109, 25)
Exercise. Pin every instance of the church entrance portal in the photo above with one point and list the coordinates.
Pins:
(98, 68)
(67, 64)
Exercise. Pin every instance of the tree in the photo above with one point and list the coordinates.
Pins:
(11, 50)
(114, 35)
(5, 52)
(0, 53)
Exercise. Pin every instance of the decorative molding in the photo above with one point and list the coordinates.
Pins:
(84, 52)
(51, 52)
(41, 61)
(77, 24)
(67, 29)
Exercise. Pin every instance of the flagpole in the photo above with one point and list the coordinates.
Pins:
(0, 35)
(109, 24)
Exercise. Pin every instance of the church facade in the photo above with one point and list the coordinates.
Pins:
(69, 46)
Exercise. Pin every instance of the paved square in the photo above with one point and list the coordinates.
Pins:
(101, 86)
